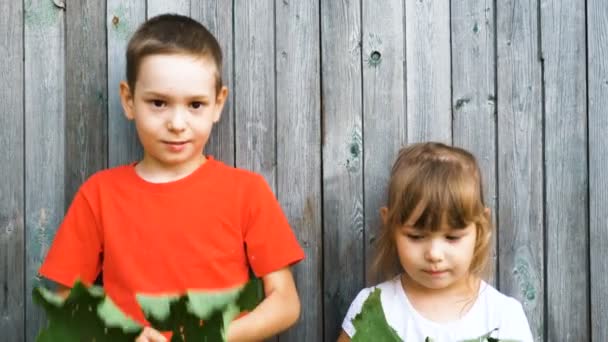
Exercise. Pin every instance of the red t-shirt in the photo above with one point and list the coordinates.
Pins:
(199, 232)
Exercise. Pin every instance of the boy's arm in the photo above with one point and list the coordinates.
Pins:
(343, 337)
(63, 291)
(278, 311)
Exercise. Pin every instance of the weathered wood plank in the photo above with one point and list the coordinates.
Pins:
(427, 27)
(297, 57)
(12, 301)
(86, 93)
(384, 108)
(216, 15)
(123, 18)
(566, 204)
(474, 93)
(254, 84)
(342, 144)
(520, 159)
(597, 38)
(44, 141)
(156, 7)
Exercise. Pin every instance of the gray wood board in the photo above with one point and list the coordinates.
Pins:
(565, 148)
(12, 301)
(520, 159)
(342, 144)
(597, 38)
(298, 75)
(427, 27)
(44, 142)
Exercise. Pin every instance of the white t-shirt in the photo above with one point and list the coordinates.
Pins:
(492, 310)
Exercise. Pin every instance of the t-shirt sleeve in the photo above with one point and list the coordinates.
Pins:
(353, 310)
(76, 249)
(270, 242)
(515, 324)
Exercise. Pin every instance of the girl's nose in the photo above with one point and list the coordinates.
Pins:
(434, 252)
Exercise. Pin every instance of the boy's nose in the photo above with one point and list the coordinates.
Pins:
(177, 121)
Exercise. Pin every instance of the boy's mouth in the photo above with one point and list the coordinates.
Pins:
(175, 146)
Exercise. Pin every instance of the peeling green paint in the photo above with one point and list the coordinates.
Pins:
(120, 26)
(523, 272)
(476, 28)
(41, 15)
(353, 162)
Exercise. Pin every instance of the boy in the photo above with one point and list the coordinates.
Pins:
(178, 220)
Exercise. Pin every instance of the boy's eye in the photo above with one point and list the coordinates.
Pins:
(197, 105)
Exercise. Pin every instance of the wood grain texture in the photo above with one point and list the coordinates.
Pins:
(12, 301)
(216, 15)
(122, 19)
(520, 159)
(597, 72)
(254, 84)
(565, 147)
(384, 108)
(474, 93)
(298, 71)
(44, 34)
(86, 93)
(342, 144)
(427, 27)
(156, 7)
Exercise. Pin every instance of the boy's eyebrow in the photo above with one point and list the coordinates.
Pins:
(157, 94)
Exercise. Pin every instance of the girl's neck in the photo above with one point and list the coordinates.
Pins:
(442, 305)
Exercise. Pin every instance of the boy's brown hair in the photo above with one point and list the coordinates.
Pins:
(442, 185)
(172, 34)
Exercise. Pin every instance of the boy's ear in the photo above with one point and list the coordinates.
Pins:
(488, 213)
(126, 99)
(220, 101)
(384, 214)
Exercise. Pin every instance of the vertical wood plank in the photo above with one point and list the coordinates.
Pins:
(474, 94)
(342, 143)
(298, 151)
(384, 108)
(427, 30)
(86, 93)
(12, 306)
(123, 18)
(563, 50)
(254, 84)
(520, 158)
(156, 7)
(216, 15)
(44, 141)
(597, 38)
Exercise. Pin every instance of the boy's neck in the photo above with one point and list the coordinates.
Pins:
(154, 172)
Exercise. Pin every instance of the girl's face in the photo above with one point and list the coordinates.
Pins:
(436, 260)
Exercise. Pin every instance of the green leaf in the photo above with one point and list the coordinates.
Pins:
(88, 315)
(371, 324)
(78, 318)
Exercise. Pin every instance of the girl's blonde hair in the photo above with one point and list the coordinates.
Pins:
(442, 185)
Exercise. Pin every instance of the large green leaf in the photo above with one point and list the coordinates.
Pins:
(371, 324)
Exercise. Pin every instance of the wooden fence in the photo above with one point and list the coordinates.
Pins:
(323, 93)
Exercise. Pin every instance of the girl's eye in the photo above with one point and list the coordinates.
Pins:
(158, 103)
(415, 237)
(452, 238)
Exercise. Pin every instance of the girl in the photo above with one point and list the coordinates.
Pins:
(433, 251)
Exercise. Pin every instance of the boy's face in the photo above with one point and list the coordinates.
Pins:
(174, 107)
